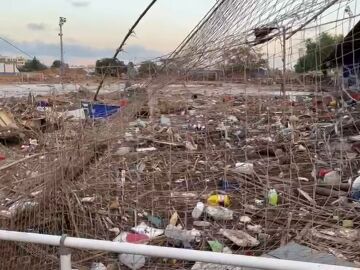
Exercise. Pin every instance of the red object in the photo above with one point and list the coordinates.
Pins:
(323, 171)
(123, 102)
(136, 238)
(355, 96)
(228, 98)
(321, 101)
(2, 157)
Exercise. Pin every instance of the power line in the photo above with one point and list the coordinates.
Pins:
(17, 48)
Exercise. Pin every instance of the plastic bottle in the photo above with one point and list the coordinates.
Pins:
(219, 200)
(198, 210)
(273, 197)
(219, 213)
(355, 189)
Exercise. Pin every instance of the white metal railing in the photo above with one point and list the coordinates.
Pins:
(65, 243)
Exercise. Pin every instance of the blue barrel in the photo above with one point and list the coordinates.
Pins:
(99, 110)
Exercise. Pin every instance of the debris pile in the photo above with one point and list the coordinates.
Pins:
(219, 173)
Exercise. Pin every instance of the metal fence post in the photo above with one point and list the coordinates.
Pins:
(65, 255)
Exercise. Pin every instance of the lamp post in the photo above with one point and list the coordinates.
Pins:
(283, 91)
(62, 20)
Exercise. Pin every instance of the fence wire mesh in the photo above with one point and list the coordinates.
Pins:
(261, 96)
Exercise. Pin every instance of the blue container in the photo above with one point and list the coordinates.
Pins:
(99, 110)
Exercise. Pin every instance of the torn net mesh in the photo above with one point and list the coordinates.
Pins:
(203, 116)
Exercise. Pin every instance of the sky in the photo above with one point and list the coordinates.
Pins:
(95, 28)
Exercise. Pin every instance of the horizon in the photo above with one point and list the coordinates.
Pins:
(36, 32)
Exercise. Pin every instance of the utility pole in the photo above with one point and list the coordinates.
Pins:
(62, 20)
(284, 61)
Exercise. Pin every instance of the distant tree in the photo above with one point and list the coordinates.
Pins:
(148, 68)
(316, 51)
(110, 66)
(56, 64)
(32, 65)
(243, 58)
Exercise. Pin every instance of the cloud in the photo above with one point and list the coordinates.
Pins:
(78, 51)
(80, 3)
(36, 26)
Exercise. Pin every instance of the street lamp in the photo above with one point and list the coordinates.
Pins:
(62, 20)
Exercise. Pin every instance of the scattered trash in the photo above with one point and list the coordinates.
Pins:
(156, 221)
(197, 127)
(88, 199)
(232, 118)
(134, 238)
(190, 146)
(273, 197)
(99, 110)
(165, 121)
(184, 195)
(226, 185)
(211, 266)
(216, 246)
(304, 179)
(112, 266)
(259, 202)
(184, 236)
(98, 266)
(122, 151)
(200, 223)
(240, 133)
(191, 112)
(78, 114)
(263, 236)
(148, 149)
(322, 172)
(132, 261)
(198, 210)
(7, 120)
(19, 206)
(347, 223)
(254, 228)
(355, 189)
(114, 205)
(245, 168)
(219, 213)
(116, 231)
(332, 178)
(293, 119)
(147, 230)
(219, 200)
(141, 123)
(355, 138)
(219, 152)
(301, 148)
(174, 218)
(240, 238)
(245, 219)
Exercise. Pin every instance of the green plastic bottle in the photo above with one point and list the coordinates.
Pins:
(273, 197)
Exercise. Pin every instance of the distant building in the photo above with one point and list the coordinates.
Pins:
(205, 75)
(9, 65)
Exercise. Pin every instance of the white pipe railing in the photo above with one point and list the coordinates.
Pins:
(161, 252)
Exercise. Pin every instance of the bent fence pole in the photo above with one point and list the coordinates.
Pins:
(163, 252)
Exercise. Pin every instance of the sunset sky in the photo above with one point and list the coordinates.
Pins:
(95, 28)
